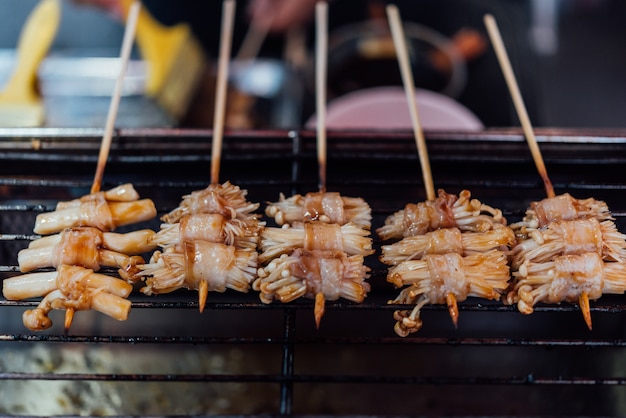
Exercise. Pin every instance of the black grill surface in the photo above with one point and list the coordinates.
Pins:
(243, 357)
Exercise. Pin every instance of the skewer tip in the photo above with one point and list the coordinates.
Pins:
(453, 308)
(583, 302)
(203, 292)
(69, 318)
(319, 308)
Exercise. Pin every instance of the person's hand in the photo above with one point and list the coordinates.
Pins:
(280, 15)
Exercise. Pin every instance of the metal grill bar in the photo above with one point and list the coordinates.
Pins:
(455, 342)
(330, 379)
(469, 306)
(286, 386)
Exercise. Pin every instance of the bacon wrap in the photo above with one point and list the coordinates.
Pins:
(79, 246)
(303, 273)
(74, 282)
(329, 204)
(122, 193)
(446, 240)
(80, 289)
(321, 271)
(580, 235)
(577, 236)
(209, 262)
(447, 277)
(557, 208)
(202, 226)
(226, 199)
(322, 236)
(564, 207)
(94, 211)
(575, 274)
(208, 202)
(422, 217)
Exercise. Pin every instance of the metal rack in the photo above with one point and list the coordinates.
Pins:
(243, 357)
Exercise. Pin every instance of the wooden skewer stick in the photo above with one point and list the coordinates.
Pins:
(226, 40)
(399, 41)
(127, 43)
(505, 64)
(518, 102)
(321, 57)
(105, 146)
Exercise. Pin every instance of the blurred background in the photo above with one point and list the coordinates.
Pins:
(567, 54)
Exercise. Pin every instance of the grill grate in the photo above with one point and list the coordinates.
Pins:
(243, 357)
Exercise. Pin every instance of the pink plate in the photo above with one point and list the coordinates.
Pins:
(387, 108)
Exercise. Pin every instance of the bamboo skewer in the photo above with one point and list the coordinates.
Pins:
(399, 41)
(226, 36)
(509, 75)
(321, 57)
(127, 43)
(105, 146)
(221, 89)
(518, 102)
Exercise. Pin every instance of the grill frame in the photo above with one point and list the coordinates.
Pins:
(352, 157)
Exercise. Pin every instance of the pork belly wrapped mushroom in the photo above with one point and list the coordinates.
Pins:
(446, 278)
(328, 207)
(202, 266)
(316, 258)
(208, 243)
(439, 255)
(226, 199)
(563, 207)
(315, 274)
(88, 247)
(69, 288)
(567, 278)
(447, 240)
(81, 243)
(105, 210)
(314, 235)
(569, 250)
(212, 227)
(445, 211)
(566, 237)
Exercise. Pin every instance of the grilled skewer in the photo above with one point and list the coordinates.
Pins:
(319, 251)
(434, 234)
(558, 230)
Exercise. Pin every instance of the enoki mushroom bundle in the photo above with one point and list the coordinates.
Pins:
(569, 250)
(445, 211)
(208, 243)
(328, 207)
(319, 251)
(449, 249)
(446, 278)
